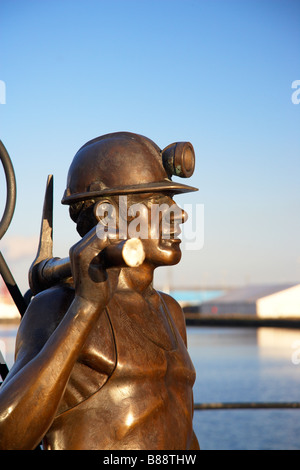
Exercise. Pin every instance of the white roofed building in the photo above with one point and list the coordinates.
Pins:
(263, 301)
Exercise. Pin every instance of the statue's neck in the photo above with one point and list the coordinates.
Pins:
(138, 279)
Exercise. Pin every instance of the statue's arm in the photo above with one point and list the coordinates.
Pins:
(177, 314)
(31, 393)
(179, 319)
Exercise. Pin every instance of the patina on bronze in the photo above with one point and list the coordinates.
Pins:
(101, 356)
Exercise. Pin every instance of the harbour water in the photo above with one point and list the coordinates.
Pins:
(237, 365)
(246, 365)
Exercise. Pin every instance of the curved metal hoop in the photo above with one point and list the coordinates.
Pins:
(10, 190)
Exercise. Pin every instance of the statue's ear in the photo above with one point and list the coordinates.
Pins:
(105, 212)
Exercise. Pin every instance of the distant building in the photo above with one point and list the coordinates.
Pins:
(194, 297)
(264, 301)
(8, 310)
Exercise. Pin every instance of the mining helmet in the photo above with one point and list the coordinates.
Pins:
(126, 163)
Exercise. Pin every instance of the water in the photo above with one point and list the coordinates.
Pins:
(237, 365)
(246, 365)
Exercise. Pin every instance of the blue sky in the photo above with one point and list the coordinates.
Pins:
(217, 73)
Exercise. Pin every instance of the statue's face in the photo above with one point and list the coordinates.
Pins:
(164, 216)
(155, 218)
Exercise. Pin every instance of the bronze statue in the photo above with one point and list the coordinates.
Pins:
(101, 357)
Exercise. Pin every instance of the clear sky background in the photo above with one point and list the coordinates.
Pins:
(217, 73)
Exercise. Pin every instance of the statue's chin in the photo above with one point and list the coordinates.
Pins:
(163, 252)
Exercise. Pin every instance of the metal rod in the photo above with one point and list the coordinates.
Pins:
(3, 367)
(11, 191)
(11, 194)
(12, 286)
(250, 405)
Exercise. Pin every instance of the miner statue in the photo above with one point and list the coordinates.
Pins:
(101, 356)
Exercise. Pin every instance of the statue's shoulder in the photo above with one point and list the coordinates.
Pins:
(44, 313)
(53, 303)
(176, 312)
